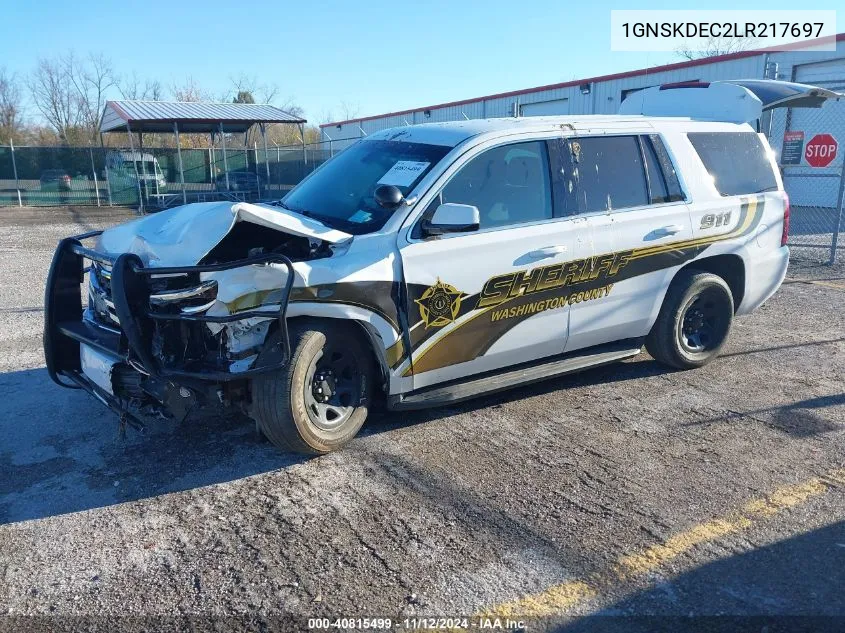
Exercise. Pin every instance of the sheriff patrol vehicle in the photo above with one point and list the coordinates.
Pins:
(433, 263)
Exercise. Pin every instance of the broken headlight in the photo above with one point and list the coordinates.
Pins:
(187, 300)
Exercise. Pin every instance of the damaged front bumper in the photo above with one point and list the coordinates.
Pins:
(131, 345)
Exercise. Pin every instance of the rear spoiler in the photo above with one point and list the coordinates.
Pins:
(733, 101)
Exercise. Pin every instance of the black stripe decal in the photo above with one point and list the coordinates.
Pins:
(475, 335)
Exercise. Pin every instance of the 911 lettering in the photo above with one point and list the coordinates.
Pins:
(715, 220)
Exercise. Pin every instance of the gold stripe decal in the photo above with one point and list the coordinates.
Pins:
(395, 353)
(512, 297)
(747, 217)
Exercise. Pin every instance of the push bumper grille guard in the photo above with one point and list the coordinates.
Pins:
(65, 329)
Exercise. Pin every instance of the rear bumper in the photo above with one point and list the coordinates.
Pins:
(764, 273)
(66, 329)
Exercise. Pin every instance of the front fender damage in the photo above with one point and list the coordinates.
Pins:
(203, 266)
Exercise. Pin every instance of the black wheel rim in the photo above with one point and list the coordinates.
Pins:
(332, 387)
(704, 323)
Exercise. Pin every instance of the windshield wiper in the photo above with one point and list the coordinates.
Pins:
(306, 213)
(324, 219)
(281, 204)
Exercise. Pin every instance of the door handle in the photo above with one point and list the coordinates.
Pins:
(547, 251)
(670, 229)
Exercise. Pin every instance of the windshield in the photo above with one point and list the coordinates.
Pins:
(341, 193)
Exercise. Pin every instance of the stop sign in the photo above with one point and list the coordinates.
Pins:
(821, 150)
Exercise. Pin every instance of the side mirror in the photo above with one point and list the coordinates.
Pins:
(388, 196)
(452, 218)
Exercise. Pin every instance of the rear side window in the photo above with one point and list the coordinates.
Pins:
(656, 181)
(736, 161)
(663, 180)
(609, 173)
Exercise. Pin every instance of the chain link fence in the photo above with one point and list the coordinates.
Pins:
(150, 177)
(803, 139)
(810, 143)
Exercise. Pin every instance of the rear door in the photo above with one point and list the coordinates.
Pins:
(487, 299)
(634, 213)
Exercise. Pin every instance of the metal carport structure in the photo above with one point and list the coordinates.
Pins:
(191, 118)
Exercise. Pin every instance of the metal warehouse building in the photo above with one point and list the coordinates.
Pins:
(602, 95)
(818, 191)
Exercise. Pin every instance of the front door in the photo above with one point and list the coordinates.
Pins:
(487, 299)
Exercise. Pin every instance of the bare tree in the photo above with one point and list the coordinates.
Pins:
(55, 97)
(347, 112)
(350, 111)
(313, 134)
(247, 86)
(718, 46)
(70, 93)
(243, 97)
(11, 108)
(247, 89)
(41, 136)
(190, 90)
(91, 78)
(132, 87)
(327, 116)
(282, 134)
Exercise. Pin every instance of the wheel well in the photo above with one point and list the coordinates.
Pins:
(731, 268)
(368, 336)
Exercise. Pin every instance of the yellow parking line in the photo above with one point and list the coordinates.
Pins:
(829, 284)
(554, 600)
(817, 282)
(790, 496)
(658, 555)
(559, 599)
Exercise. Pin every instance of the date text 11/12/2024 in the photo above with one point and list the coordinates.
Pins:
(418, 624)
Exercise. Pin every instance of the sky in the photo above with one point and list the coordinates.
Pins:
(338, 58)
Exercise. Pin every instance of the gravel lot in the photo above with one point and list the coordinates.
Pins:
(625, 490)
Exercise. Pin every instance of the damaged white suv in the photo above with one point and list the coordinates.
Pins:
(429, 264)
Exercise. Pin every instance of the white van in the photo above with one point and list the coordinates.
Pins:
(125, 169)
(428, 264)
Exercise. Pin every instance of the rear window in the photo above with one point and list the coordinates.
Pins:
(737, 161)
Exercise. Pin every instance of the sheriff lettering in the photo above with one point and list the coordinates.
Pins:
(503, 287)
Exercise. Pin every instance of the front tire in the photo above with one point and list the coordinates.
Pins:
(320, 400)
(694, 321)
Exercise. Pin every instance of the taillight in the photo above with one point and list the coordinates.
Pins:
(785, 235)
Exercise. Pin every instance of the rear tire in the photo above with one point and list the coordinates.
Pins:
(694, 321)
(320, 400)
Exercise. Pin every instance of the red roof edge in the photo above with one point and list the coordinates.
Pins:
(120, 111)
(630, 73)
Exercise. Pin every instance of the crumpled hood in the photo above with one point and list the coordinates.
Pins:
(182, 236)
